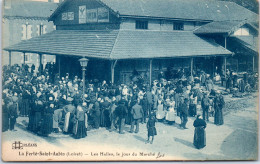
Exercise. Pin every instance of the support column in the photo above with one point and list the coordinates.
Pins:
(151, 67)
(24, 58)
(40, 63)
(10, 58)
(253, 63)
(237, 64)
(113, 65)
(225, 66)
(59, 65)
(191, 67)
(225, 59)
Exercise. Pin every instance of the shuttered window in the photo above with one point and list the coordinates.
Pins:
(141, 24)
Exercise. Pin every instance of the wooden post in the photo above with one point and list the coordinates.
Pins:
(10, 58)
(253, 63)
(151, 67)
(237, 64)
(24, 58)
(225, 59)
(191, 67)
(225, 66)
(59, 65)
(40, 65)
(113, 65)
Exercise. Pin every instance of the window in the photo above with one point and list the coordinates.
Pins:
(26, 31)
(141, 24)
(178, 26)
(41, 29)
(27, 58)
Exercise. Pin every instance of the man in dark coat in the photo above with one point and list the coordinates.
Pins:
(96, 113)
(149, 97)
(121, 112)
(219, 103)
(199, 133)
(12, 114)
(205, 102)
(106, 105)
(137, 114)
(184, 106)
(5, 115)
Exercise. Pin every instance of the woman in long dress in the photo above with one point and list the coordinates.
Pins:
(47, 125)
(199, 133)
(160, 114)
(79, 129)
(170, 115)
(219, 104)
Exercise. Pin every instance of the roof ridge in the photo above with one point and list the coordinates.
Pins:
(115, 42)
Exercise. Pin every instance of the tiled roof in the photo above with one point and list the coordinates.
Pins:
(120, 44)
(30, 9)
(182, 9)
(163, 44)
(97, 44)
(248, 42)
(219, 27)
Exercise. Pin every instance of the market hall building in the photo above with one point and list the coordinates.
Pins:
(148, 36)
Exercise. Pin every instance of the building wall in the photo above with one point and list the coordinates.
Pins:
(14, 31)
(74, 16)
(163, 25)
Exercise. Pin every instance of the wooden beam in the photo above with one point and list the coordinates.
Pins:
(59, 65)
(253, 63)
(113, 65)
(225, 66)
(225, 59)
(24, 58)
(10, 58)
(191, 67)
(237, 64)
(40, 63)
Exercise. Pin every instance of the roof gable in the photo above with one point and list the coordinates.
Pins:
(223, 27)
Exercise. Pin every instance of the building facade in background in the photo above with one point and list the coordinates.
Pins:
(23, 20)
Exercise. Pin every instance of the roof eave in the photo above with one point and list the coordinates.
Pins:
(163, 18)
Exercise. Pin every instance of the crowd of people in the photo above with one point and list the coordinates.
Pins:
(56, 104)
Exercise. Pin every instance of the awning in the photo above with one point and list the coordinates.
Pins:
(223, 27)
(121, 44)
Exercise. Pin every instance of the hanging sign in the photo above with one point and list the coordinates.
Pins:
(82, 15)
(64, 16)
(70, 16)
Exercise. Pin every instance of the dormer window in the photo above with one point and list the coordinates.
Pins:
(178, 26)
(141, 25)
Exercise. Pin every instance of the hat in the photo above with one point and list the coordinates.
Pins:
(69, 99)
(85, 95)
